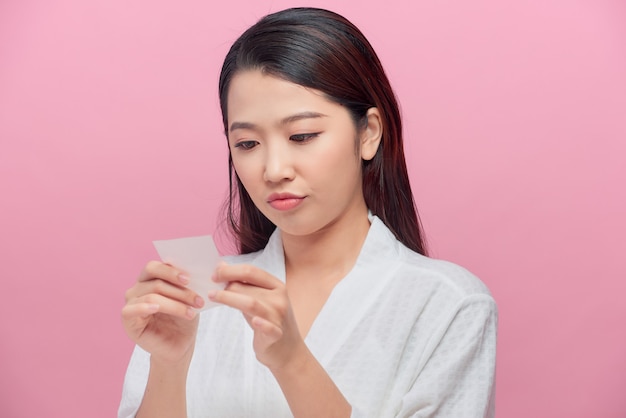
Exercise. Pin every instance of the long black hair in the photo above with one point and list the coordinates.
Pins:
(322, 50)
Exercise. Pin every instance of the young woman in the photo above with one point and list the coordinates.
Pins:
(332, 309)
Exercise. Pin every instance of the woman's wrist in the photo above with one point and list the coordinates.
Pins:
(166, 363)
(295, 364)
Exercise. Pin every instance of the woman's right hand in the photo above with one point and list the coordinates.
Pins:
(158, 314)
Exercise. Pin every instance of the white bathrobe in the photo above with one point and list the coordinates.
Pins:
(402, 335)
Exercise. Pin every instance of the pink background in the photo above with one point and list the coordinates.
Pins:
(516, 125)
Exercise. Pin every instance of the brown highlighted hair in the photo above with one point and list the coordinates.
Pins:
(322, 50)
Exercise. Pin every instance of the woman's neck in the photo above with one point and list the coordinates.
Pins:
(328, 253)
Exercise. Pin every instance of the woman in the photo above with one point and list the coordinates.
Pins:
(337, 310)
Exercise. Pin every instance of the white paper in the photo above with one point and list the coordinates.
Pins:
(197, 257)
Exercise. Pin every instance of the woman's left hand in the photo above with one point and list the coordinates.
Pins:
(263, 300)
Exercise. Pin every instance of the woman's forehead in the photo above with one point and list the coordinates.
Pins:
(255, 95)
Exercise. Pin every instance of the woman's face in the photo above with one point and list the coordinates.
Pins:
(297, 154)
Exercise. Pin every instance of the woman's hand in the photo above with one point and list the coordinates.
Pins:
(158, 314)
(263, 300)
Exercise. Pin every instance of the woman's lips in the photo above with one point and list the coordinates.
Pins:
(284, 201)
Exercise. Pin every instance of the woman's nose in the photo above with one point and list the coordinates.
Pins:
(278, 164)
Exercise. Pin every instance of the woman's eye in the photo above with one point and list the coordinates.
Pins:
(303, 137)
(246, 144)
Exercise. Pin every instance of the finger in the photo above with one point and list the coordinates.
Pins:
(245, 273)
(167, 306)
(135, 317)
(160, 270)
(138, 311)
(161, 287)
(248, 305)
(268, 329)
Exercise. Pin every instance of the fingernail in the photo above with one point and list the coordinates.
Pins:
(190, 313)
(199, 302)
(214, 275)
(212, 294)
(183, 279)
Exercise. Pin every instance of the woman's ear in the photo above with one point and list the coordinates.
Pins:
(372, 134)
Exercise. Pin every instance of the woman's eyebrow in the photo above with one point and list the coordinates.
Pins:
(241, 125)
(285, 121)
(300, 116)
